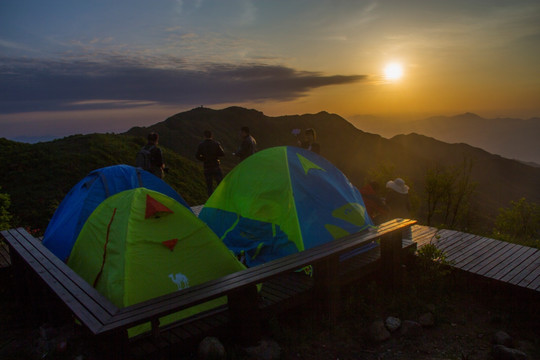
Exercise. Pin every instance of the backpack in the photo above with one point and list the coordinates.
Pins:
(144, 158)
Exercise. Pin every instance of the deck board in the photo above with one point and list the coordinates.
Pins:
(525, 277)
(529, 255)
(520, 268)
(487, 257)
(510, 252)
(455, 245)
(479, 247)
(498, 260)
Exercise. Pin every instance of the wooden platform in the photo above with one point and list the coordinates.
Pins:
(493, 259)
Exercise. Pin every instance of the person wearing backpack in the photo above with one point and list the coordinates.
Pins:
(248, 146)
(209, 152)
(150, 157)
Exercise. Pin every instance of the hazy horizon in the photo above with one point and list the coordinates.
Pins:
(69, 67)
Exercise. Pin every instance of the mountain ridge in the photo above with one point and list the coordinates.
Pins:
(508, 137)
(37, 176)
(356, 152)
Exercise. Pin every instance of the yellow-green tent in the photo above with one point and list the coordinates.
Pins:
(140, 244)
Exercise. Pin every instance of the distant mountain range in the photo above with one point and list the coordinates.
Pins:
(355, 152)
(37, 176)
(512, 138)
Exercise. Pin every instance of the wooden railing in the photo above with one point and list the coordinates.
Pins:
(105, 320)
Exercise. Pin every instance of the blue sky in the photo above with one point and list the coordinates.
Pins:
(82, 66)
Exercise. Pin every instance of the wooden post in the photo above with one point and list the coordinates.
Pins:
(327, 290)
(391, 257)
(245, 317)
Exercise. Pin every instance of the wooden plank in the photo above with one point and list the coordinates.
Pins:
(492, 258)
(296, 281)
(466, 249)
(535, 284)
(391, 258)
(450, 242)
(162, 306)
(515, 263)
(207, 291)
(445, 238)
(528, 275)
(484, 255)
(275, 290)
(453, 243)
(271, 293)
(504, 261)
(520, 268)
(408, 244)
(65, 275)
(60, 270)
(93, 322)
(472, 253)
(422, 234)
(356, 263)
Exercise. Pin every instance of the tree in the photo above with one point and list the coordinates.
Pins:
(519, 223)
(5, 216)
(448, 192)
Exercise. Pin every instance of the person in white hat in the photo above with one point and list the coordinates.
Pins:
(397, 199)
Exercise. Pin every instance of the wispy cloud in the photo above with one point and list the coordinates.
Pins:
(121, 82)
(16, 46)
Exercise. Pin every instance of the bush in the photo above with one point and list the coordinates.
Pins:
(519, 223)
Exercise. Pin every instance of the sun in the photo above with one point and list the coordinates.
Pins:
(393, 71)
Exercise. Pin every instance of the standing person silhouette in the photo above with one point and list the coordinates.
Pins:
(309, 141)
(208, 152)
(248, 146)
(397, 200)
(150, 157)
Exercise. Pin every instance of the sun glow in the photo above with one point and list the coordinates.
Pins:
(393, 71)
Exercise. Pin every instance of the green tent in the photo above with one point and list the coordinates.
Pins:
(283, 200)
(140, 244)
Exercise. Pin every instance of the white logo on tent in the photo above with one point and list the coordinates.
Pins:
(180, 280)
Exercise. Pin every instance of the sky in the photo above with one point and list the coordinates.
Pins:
(74, 66)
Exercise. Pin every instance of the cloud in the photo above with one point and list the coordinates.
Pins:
(121, 82)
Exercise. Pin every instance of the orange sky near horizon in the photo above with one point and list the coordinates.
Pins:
(69, 67)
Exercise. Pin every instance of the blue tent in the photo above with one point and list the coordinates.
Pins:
(283, 200)
(84, 197)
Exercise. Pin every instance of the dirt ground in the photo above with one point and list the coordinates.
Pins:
(467, 314)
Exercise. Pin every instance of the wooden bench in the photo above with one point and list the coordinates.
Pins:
(245, 306)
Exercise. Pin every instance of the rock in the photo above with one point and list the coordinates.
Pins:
(501, 352)
(392, 323)
(502, 338)
(210, 348)
(266, 350)
(378, 332)
(411, 328)
(427, 319)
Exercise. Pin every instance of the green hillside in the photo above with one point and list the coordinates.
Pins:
(359, 154)
(38, 176)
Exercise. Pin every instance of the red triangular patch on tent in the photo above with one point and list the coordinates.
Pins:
(155, 208)
(170, 243)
